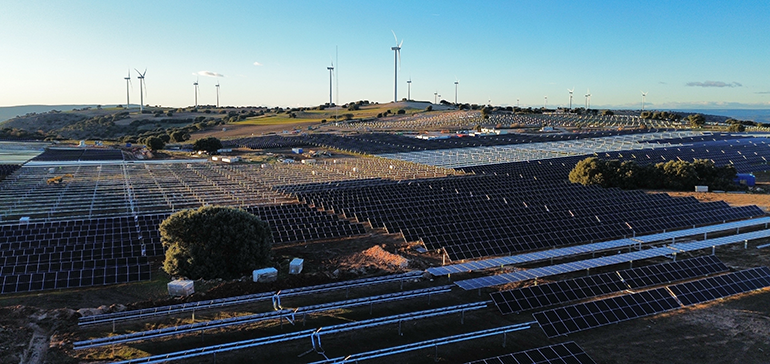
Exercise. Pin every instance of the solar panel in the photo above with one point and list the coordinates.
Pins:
(726, 285)
(708, 243)
(524, 275)
(583, 316)
(563, 353)
(530, 257)
(588, 248)
(527, 298)
(672, 271)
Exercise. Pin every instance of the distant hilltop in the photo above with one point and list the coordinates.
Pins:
(8, 112)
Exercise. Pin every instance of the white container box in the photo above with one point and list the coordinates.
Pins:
(265, 275)
(701, 188)
(181, 287)
(295, 266)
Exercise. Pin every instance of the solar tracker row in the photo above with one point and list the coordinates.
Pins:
(549, 294)
(79, 154)
(543, 295)
(518, 276)
(708, 289)
(593, 247)
(651, 275)
(565, 320)
(74, 278)
(563, 353)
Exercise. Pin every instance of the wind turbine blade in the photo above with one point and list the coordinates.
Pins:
(394, 35)
(399, 58)
(137, 71)
(400, 44)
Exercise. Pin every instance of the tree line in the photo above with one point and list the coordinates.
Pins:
(672, 175)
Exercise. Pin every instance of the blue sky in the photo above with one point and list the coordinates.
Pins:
(686, 54)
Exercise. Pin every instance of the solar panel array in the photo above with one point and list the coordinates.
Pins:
(7, 170)
(543, 295)
(382, 143)
(579, 317)
(569, 319)
(66, 254)
(77, 246)
(476, 216)
(746, 154)
(563, 353)
(712, 288)
(592, 247)
(78, 154)
(651, 275)
(549, 294)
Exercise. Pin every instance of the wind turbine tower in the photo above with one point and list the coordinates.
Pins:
(570, 97)
(588, 99)
(409, 88)
(196, 92)
(434, 97)
(141, 88)
(217, 94)
(128, 82)
(545, 105)
(456, 83)
(396, 61)
(331, 71)
(644, 98)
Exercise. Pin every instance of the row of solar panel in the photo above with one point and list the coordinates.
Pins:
(41, 267)
(549, 294)
(75, 278)
(52, 154)
(563, 353)
(583, 316)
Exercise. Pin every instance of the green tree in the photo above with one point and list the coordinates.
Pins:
(154, 143)
(214, 242)
(485, 112)
(589, 171)
(696, 120)
(209, 144)
(736, 127)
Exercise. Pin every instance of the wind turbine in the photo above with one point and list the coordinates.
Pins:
(217, 94)
(128, 82)
(331, 71)
(456, 83)
(570, 97)
(434, 97)
(409, 88)
(588, 98)
(396, 62)
(141, 89)
(517, 102)
(644, 98)
(545, 106)
(196, 92)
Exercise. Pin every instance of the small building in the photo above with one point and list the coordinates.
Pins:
(181, 287)
(745, 179)
(269, 274)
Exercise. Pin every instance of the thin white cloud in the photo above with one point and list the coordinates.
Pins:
(763, 92)
(714, 84)
(208, 74)
(257, 64)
